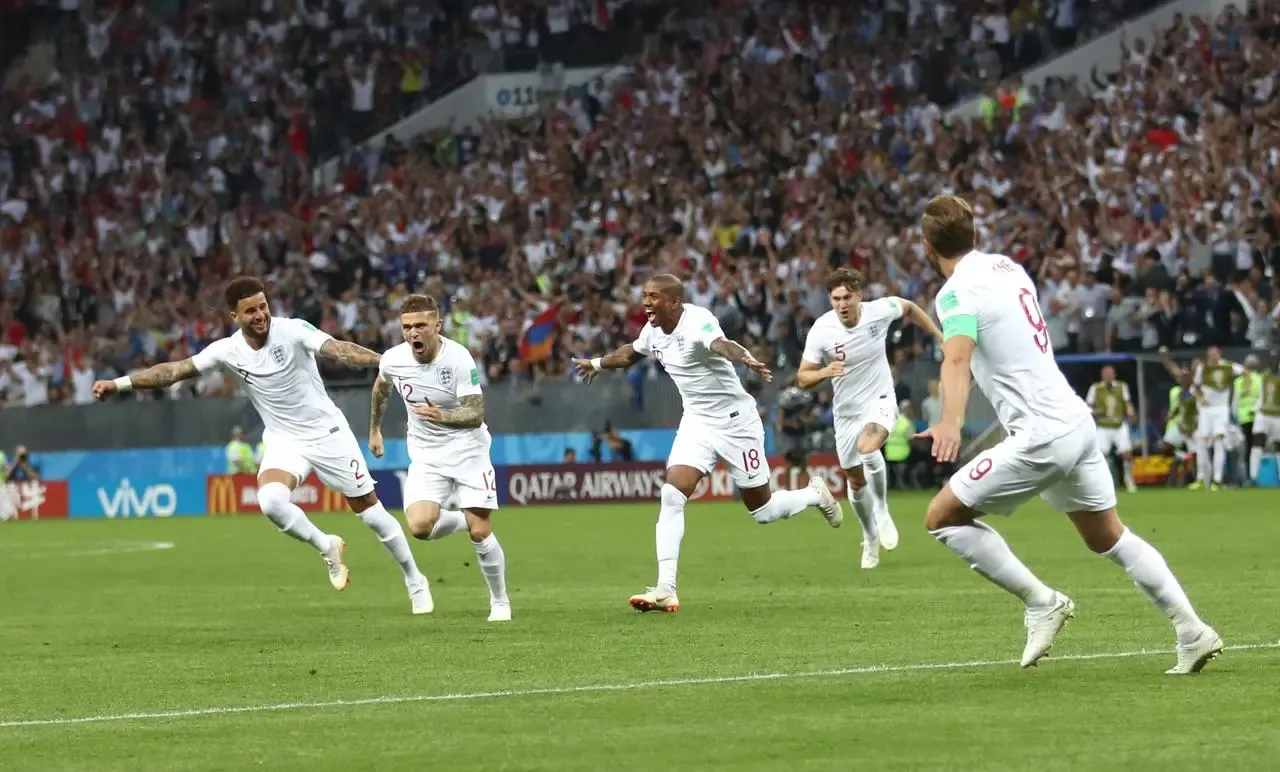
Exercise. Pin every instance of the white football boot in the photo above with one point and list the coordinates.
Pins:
(870, 554)
(339, 576)
(654, 599)
(499, 612)
(420, 597)
(828, 503)
(885, 527)
(1192, 657)
(1043, 626)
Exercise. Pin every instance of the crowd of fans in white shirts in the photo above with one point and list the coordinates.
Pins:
(752, 147)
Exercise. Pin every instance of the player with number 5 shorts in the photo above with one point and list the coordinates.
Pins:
(992, 326)
(850, 341)
(451, 485)
(720, 424)
(275, 359)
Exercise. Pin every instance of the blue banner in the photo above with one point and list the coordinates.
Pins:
(138, 496)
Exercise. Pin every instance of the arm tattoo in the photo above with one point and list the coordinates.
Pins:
(622, 358)
(469, 413)
(349, 354)
(378, 402)
(734, 352)
(164, 375)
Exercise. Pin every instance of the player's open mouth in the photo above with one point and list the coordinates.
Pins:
(649, 314)
(417, 345)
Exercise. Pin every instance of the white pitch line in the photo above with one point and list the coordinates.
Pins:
(585, 689)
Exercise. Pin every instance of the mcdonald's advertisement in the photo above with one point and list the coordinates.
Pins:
(237, 494)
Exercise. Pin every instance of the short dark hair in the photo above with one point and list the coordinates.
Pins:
(844, 277)
(948, 226)
(415, 304)
(240, 288)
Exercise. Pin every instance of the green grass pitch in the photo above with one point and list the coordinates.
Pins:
(230, 651)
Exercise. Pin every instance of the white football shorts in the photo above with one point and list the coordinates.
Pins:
(1068, 472)
(336, 459)
(1117, 440)
(739, 445)
(1213, 422)
(467, 486)
(881, 412)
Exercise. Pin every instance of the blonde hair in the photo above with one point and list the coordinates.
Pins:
(948, 226)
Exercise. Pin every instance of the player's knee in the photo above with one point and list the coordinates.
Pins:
(671, 498)
(478, 527)
(273, 498)
(420, 526)
(943, 512)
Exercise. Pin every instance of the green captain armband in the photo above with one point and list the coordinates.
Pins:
(960, 324)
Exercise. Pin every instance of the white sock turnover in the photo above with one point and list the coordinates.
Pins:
(989, 556)
(274, 501)
(389, 532)
(1146, 567)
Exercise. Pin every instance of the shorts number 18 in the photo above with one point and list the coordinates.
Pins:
(1031, 307)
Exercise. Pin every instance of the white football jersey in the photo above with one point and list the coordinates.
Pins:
(709, 386)
(281, 378)
(993, 298)
(862, 349)
(442, 381)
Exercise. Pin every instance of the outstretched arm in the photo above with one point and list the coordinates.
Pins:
(348, 353)
(621, 359)
(738, 354)
(157, 377)
(469, 413)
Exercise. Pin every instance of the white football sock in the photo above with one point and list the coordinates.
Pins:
(862, 507)
(1255, 462)
(987, 554)
(786, 504)
(274, 501)
(451, 521)
(1204, 462)
(668, 534)
(1146, 567)
(392, 537)
(1128, 473)
(1219, 459)
(493, 564)
(877, 480)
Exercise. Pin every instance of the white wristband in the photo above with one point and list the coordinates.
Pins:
(595, 363)
(123, 385)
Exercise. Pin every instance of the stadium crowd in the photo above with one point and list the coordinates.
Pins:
(751, 146)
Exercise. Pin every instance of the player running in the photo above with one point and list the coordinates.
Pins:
(720, 422)
(1214, 379)
(992, 323)
(850, 339)
(274, 358)
(1113, 410)
(448, 441)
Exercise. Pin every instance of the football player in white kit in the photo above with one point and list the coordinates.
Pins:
(449, 466)
(720, 423)
(1214, 381)
(274, 358)
(850, 339)
(992, 323)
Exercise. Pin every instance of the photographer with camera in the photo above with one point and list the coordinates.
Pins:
(798, 429)
(21, 470)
